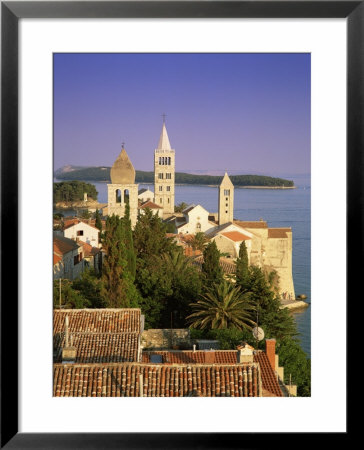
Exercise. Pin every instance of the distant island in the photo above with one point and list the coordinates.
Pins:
(102, 174)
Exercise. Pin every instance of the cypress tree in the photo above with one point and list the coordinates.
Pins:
(242, 268)
(115, 274)
(98, 223)
(128, 241)
(211, 269)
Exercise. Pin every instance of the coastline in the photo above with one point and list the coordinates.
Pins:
(189, 184)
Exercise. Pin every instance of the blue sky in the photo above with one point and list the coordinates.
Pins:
(246, 113)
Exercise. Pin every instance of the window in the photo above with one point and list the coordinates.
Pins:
(198, 227)
(160, 201)
(226, 192)
(168, 176)
(169, 161)
(160, 161)
(80, 233)
(160, 188)
(168, 188)
(226, 205)
(226, 212)
(160, 176)
(168, 201)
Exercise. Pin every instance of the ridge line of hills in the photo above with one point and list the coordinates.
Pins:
(102, 174)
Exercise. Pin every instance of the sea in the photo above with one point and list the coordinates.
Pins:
(278, 207)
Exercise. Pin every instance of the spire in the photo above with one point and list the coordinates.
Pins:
(226, 180)
(163, 143)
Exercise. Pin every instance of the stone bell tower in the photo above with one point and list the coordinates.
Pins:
(226, 200)
(123, 188)
(164, 167)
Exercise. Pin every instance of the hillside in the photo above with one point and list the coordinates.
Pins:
(103, 174)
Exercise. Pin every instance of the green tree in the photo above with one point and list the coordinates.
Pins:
(150, 237)
(242, 268)
(199, 241)
(223, 306)
(98, 223)
(295, 363)
(117, 283)
(211, 270)
(129, 244)
(85, 214)
(89, 286)
(70, 297)
(276, 321)
(185, 288)
(180, 207)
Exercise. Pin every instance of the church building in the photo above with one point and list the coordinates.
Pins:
(164, 176)
(123, 188)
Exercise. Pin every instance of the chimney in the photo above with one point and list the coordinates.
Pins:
(209, 357)
(68, 351)
(270, 350)
(245, 354)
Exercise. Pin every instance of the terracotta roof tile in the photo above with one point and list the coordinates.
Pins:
(159, 380)
(97, 320)
(62, 245)
(257, 224)
(99, 347)
(56, 259)
(150, 205)
(88, 249)
(275, 233)
(71, 222)
(236, 236)
(269, 380)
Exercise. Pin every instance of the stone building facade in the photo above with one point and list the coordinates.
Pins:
(164, 173)
(123, 188)
(226, 200)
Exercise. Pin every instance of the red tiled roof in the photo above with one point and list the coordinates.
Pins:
(278, 232)
(159, 380)
(236, 236)
(257, 224)
(97, 320)
(62, 245)
(189, 251)
(71, 222)
(150, 205)
(56, 259)
(99, 347)
(88, 249)
(269, 380)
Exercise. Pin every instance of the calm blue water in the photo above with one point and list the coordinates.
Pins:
(280, 208)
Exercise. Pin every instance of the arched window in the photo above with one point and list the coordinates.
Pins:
(118, 196)
(126, 195)
(198, 227)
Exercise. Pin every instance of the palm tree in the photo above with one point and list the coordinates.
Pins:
(199, 241)
(223, 306)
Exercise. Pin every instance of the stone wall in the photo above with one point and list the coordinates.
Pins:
(161, 339)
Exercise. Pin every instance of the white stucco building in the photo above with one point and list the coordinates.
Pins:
(82, 231)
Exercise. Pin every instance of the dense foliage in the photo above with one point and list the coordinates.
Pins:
(72, 191)
(118, 288)
(222, 306)
(168, 283)
(211, 269)
(103, 174)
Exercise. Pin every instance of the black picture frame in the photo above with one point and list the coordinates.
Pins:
(11, 12)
